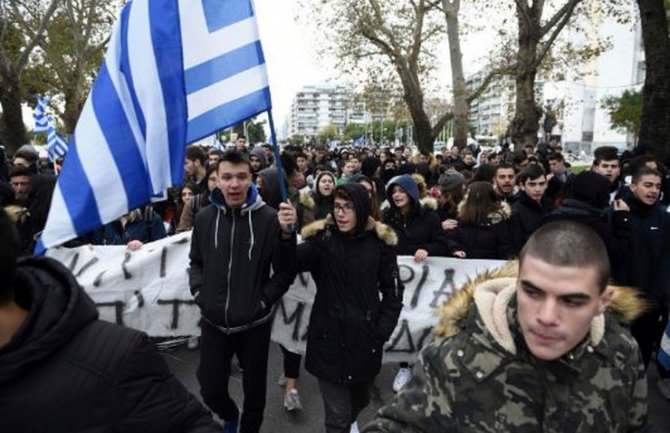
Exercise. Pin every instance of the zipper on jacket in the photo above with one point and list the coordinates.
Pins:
(230, 267)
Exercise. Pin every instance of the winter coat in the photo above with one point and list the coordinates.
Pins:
(421, 229)
(231, 254)
(144, 226)
(478, 375)
(647, 264)
(527, 217)
(615, 231)
(493, 239)
(66, 371)
(350, 321)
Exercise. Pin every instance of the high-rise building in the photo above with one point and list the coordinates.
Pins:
(315, 107)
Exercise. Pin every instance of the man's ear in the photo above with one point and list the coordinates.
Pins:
(605, 299)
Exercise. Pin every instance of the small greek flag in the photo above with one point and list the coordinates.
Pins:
(56, 145)
(176, 71)
(39, 114)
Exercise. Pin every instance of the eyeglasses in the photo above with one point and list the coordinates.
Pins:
(346, 208)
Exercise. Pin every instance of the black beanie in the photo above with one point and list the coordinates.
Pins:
(361, 200)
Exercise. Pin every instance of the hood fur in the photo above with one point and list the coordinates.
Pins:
(428, 202)
(504, 214)
(385, 233)
(496, 287)
(307, 201)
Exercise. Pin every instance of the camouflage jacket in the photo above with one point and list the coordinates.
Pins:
(472, 379)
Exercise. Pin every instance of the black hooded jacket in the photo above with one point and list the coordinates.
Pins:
(358, 297)
(67, 371)
(231, 254)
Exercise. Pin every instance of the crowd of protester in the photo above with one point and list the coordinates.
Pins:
(471, 203)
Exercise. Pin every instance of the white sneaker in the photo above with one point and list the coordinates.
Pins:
(401, 378)
(281, 380)
(292, 401)
(354, 427)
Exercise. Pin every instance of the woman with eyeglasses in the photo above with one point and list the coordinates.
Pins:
(357, 304)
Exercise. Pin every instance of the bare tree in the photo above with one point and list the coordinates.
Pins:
(73, 50)
(22, 26)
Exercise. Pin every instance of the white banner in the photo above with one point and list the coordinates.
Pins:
(148, 290)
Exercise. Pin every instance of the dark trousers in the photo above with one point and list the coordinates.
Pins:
(343, 403)
(648, 330)
(291, 363)
(216, 352)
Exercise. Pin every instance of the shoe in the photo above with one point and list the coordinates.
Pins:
(354, 427)
(292, 401)
(281, 381)
(193, 343)
(663, 386)
(401, 378)
(229, 427)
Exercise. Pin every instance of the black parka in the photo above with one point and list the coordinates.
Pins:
(65, 371)
(349, 322)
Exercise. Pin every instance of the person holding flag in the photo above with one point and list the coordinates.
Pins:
(234, 243)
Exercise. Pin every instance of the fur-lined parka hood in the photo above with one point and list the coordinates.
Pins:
(491, 292)
(385, 233)
(496, 217)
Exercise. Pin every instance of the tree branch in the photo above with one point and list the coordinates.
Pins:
(567, 8)
(437, 128)
(23, 58)
(557, 29)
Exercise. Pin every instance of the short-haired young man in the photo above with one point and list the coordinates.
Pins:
(195, 166)
(531, 205)
(606, 163)
(648, 264)
(235, 242)
(529, 352)
(62, 370)
(504, 182)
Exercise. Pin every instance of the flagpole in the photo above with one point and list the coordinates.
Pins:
(277, 156)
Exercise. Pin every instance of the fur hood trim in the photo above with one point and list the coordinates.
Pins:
(492, 291)
(307, 201)
(504, 214)
(428, 203)
(385, 233)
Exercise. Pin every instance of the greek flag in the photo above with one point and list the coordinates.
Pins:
(56, 145)
(175, 72)
(39, 114)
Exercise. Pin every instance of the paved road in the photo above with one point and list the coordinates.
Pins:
(277, 420)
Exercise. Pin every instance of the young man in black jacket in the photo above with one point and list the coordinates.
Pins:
(234, 243)
(63, 370)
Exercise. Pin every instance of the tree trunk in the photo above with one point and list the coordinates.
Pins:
(12, 118)
(460, 91)
(655, 125)
(413, 96)
(527, 116)
(73, 107)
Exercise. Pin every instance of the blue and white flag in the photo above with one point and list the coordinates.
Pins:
(175, 72)
(39, 114)
(56, 145)
(360, 141)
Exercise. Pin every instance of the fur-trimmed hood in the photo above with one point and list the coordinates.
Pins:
(427, 203)
(307, 201)
(504, 214)
(385, 233)
(492, 291)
